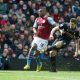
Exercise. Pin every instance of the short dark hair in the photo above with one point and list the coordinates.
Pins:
(42, 8)
(74, 20)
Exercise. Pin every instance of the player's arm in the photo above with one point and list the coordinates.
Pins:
(54, 45)
(77, 37)
(76, 46)
(76, 43)
(52, 22)
(53, 31)
(34, 28)
(54, 25)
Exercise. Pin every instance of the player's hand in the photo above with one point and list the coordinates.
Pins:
(75, 55)
(36, 53)
(44, 50)
(51, 37)
(35, 35)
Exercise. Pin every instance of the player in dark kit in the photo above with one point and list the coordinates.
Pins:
(67, 34)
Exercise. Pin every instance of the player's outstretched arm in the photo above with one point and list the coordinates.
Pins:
(34, 28)
(77, 48)
(53, 31)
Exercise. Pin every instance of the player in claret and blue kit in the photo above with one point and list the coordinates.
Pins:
(41, 29)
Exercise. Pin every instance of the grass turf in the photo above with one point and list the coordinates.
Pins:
(43, 75)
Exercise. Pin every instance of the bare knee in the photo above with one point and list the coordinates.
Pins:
(59, 44)
(52, 53)
(34, 46)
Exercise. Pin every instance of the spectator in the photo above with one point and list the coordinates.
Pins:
(66, 17)
(11, 53)
(3, 22)
(78, 23)
(32, 19)
(2, 39)
(21, 2)
(69, 11)
(34, 9)
(30, 38)
(5, 46)
(19, 14)
(12, 18)
(3, 8)
(26, 11)
(38, 4)
(19, 50)
(24, 21)
(61, 20)
(19, 24)
(22, 39)
(74, 15)
(14, 9)
(48, 4)
(56, 12)
(75, 6)
(66, 4)
(5, 60)
(24, 54)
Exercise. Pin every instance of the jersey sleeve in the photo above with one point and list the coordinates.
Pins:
(35, 24)
(51, 21)
(77, 34)
(63, 26)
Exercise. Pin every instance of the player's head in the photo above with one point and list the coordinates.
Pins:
(42, 11)
(73, 23)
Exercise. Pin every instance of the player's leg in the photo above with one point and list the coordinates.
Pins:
(58, 44)
(77, 51)
(39, 63)
(30, 55)
(38, 60)
(53, 51)
(52, 58)
(41, 44)
(54, 46)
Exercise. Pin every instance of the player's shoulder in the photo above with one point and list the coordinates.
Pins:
(50, 18)
(77, 33)
(63, 25)
(38, 19)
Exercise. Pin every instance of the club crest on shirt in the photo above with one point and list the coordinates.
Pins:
(40, 21)
(43, 21)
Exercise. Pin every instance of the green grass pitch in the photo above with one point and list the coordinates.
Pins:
(43, 75)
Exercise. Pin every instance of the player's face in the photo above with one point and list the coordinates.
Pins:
(42, 12)
(72, 25)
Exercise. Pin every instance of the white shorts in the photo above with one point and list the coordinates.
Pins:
(79, 52)
(41, 43)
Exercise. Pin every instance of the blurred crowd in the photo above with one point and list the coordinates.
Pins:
(17, 18)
